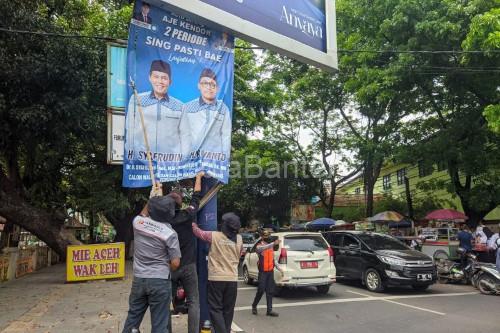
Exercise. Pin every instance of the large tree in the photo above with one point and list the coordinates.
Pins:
(440, 61)
(52, 111)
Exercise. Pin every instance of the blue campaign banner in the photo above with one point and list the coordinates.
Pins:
(180, 77)
(301, 20)
(117, 76)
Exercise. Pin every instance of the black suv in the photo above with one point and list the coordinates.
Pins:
(380, 260)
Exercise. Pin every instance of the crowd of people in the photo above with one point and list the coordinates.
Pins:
(164, 256)
(483, 241)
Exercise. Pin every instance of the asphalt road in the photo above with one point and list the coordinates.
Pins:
(350, 308)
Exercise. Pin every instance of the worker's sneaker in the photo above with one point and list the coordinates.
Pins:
(272, 314)
(254, 310)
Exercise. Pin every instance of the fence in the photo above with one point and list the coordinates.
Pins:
(16, 262)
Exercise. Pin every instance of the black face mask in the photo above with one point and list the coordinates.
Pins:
(266, 239)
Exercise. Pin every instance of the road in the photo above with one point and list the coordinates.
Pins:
(350, 308)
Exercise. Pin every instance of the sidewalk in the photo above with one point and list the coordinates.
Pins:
(42, 302)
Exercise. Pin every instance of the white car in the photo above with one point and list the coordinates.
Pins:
(305, 258)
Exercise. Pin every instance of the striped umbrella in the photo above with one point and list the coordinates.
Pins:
(387, 216)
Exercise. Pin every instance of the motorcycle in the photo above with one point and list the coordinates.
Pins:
(458, 272)
(487, 279)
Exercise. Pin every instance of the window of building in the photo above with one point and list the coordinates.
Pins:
(441, 165)
(424, 169)
(401, 174)
(387, 182)
(357, 190)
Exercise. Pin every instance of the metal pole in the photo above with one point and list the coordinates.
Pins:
(207, 220)
(144, 132)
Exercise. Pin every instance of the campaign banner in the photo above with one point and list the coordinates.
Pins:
(117, 74)
(303, 21)
(95, 261)
(180, 77)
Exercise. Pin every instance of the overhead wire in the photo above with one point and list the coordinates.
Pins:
(107, 38)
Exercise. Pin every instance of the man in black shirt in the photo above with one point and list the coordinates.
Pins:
(186, 274)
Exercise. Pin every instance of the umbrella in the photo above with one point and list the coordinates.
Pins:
(445, 214)
(298, 226)
(400, 224)
(386, 216)
(321, 223)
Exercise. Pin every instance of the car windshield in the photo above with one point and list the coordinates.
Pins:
(248, 238)
(382, 242)
(305, 243)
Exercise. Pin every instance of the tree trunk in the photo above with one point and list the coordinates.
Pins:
(48, 227)
(124, 230)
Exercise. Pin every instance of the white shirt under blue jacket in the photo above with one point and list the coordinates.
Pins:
(209, 126)
(162, 121)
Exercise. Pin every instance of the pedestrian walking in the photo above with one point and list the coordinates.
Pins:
(156, 255)
(226, 247)
(266, 265)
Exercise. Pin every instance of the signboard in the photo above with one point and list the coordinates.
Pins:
(180, 97)
(302, 29)
(95, 261)
(302, 212)
(116, 75)
(116, 136)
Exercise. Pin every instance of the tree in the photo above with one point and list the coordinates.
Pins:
(306, 100)
(52, 103)
(382, 89)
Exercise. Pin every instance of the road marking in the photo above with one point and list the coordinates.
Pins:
(357, 299)
(398, 303)
(415, 307)
(247, 288)
(236, 328)
(356, 293)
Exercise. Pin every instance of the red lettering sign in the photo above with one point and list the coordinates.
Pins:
(81, 255)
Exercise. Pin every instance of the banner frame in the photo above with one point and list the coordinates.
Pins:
(110, 125)
(219, 19)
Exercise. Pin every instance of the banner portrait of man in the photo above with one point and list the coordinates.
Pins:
(180, 97)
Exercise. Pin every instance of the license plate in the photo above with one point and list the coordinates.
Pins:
(424, 277)
(308, 264)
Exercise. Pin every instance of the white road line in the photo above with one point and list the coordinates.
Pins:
(357, 299)
(236, 328)
(359, 294)
(415, 307)
(247, 288)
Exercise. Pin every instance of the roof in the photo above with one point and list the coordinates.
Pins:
(293, 233)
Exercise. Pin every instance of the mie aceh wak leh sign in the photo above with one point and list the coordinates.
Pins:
(180, 94)
(95, 261)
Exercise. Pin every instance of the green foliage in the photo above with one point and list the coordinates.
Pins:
(492, 114)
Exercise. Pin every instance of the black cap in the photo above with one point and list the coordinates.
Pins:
(161, 209)
(160, 66)
(232, 221)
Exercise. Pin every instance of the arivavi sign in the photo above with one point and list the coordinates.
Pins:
(303, 21)
(302, 29)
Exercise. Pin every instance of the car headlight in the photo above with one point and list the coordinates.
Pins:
(392, 261)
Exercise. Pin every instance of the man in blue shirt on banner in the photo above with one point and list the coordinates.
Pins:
(208, 119)
(162, 114)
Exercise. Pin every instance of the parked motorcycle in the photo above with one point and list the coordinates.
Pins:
(487, 279)
(457, 272)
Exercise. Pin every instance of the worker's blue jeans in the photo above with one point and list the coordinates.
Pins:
(155, 293)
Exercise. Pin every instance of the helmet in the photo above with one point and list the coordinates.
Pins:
(461, 251)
